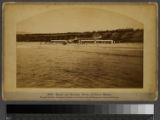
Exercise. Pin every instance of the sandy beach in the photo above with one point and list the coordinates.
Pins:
(79, 66)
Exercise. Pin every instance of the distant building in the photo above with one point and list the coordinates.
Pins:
(96, 38)
(82, 41)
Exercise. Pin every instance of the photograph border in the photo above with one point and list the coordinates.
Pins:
(148, 93)
(3, 103)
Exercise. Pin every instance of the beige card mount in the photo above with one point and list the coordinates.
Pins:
(99, 51)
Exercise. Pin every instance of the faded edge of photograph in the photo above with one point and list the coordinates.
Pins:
(83, 48)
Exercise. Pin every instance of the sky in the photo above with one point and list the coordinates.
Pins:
(77, 19)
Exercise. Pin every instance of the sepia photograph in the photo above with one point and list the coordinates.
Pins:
(80, 51)
(79, 48)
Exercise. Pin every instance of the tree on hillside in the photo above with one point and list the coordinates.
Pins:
(126, 36)
(106, 36)
(96, 35)
(116, 36)
(137, 36)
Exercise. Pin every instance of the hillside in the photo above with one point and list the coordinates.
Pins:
(119, 35)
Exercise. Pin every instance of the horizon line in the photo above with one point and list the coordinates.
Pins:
(81, 31)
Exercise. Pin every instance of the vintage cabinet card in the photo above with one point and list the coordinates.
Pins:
(80, 51)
